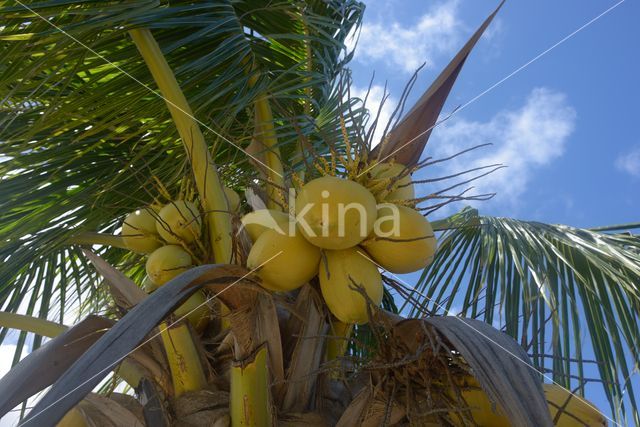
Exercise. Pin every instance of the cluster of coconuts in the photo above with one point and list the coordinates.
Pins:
(342, 234)
(160, 232)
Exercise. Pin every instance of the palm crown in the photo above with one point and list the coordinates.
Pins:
(255, 95)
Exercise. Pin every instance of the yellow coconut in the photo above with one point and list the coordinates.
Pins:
(342, 271)
(576, 407)
(257, 222)
(139, 231)
(196, 311)
(402, 240)
(179, 221)
(484, 413)
(335, 213)
(577, 411)
(233, 198)
(385, 177)
(287, 262)
(167, 262)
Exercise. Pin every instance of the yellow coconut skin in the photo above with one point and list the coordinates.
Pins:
(257, 222)
(403, 187)
(328, 197)
(179, 221)
(167, 262)
(233, 198)
(196, 311)
(411, 249)
(577, 407)
(73, 418)
(139, 231)
(487, 415)
(337, 276)
(293, 267)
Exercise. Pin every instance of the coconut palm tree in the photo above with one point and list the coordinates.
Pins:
(160, 113)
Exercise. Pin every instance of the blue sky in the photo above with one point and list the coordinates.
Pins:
(566, 126)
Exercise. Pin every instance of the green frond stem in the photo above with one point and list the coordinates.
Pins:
(184, 359)
(90, 238)
(250, 403)
(298, 155)
(207, 180)
(38, 326)
(618, 227)
(267, 135)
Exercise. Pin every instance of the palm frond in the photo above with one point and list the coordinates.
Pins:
(85, 138)
(562, 292)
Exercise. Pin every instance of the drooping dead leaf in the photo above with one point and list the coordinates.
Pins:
(202, 408)
(46, 364)
(406, 141)
(381, 413)
(154, 411)
(307, 419)
(352, 416)
(501, 366)
(127, 334)
(103, 411)
(304, 363)
(123, 290)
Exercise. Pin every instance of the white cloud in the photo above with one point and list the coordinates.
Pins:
(630, 162)
(523, 140)
(435, 33)
(373, 104)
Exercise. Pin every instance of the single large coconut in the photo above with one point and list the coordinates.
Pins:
(342, 271)
(139, 231)
(392, 182)
(179, 221)
(402, 240)
(257, 222)
(233, 198)
(334, 213)
(285, 262)
(167, 262)
(196, 311)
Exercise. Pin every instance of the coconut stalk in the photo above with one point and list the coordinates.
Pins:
(250, 400)
(184, 359)
(186, 369)
(308, 91)
(91, 238)
(213, 199)
(265, 131)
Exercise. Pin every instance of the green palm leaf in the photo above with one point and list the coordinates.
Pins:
(85, 138)
(558, 290)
